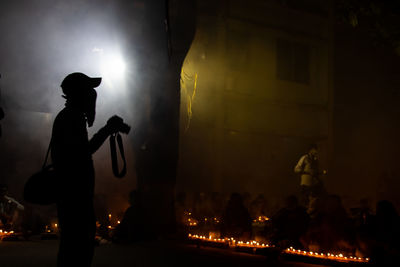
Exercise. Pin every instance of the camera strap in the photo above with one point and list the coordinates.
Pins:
(47, 156)
(114, 157)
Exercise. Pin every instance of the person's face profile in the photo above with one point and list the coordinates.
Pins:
(313, 152)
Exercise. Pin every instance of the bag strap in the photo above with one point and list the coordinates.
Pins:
(47, 154)
(114, 158)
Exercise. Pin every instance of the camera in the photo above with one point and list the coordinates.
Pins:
(124, 128)
(117, 124)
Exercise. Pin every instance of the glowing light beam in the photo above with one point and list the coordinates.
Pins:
(112, 67)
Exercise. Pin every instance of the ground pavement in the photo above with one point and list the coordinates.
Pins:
(162, 253)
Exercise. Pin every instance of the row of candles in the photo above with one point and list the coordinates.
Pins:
(329, 256)
(4, 234)
(261, 219)
(110, 222)
(193, 222)
(190, 221)
(231, 242)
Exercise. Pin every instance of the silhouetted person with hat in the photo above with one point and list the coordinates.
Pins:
(71, 152)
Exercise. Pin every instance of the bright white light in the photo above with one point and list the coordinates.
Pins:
(112, 67)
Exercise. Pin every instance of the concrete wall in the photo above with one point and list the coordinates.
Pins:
(242, 128)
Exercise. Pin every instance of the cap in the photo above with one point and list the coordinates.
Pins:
(78, 80)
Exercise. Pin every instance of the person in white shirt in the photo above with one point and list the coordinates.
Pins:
(308, 169)
(9, 208)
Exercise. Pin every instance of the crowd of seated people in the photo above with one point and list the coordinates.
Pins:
(328, 227)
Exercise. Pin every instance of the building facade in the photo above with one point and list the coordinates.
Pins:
(256, 90)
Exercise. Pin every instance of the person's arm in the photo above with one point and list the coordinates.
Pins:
(16, 203)
(114, 125)
(98, 139)
(300, 165)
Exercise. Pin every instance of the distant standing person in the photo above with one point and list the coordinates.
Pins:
(71, 152)
(308, 169)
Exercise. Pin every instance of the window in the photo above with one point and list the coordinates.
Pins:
(237, 49)
(292, 61)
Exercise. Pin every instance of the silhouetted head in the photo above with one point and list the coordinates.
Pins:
(3, 191)
(385, 211)
(334, 203)
(78, 89)
(134, 198)
(181, 197)
(235, 200)
(313, 150)
(291, 202)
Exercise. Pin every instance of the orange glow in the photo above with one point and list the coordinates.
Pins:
(230, 241)
(254, 244)
(336, 257)
(4, 234)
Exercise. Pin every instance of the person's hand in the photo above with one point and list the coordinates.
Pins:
(114, 124)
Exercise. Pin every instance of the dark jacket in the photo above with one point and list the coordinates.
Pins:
(71, 152)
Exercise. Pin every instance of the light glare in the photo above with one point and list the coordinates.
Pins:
(113, 67)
